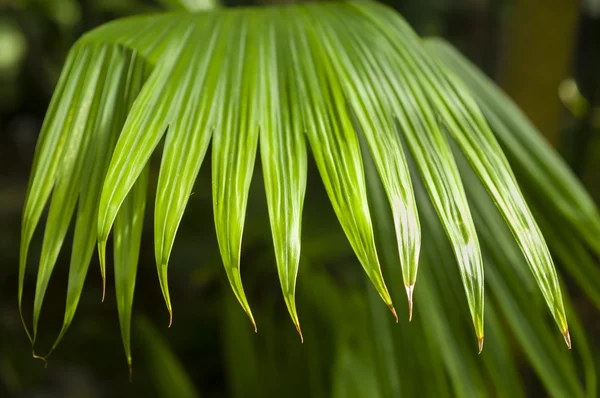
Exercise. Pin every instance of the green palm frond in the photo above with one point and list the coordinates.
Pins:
(283, 81)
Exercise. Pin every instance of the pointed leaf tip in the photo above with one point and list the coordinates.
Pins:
(300, 333)
(409, 293)
(289, 301)
(249, 313)
(170, 316)
(480, 343)
(102, 256)
(391, 307)
(567, 337)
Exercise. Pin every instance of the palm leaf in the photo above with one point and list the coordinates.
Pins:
(185, 147)
(127, 240)
(246, 75)
(556, 196)
(284, 161)
(383, 140)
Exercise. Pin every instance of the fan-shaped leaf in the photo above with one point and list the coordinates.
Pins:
(327, 70)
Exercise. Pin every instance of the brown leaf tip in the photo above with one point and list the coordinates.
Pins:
(567, 337)
(391, 307)
(409, 292)
(170, 316)
(480, 344)
(300, 333)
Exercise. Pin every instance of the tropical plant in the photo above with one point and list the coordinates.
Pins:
(407, 138)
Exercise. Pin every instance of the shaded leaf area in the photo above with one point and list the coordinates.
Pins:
(352, 84)
(167, 372)
(71, 162)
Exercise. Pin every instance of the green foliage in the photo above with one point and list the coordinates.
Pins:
(191, 5)
(167, 372)
(361, 87)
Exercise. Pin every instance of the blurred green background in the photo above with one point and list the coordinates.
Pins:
(545, 54)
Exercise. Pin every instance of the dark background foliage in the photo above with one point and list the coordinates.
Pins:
(545, 55)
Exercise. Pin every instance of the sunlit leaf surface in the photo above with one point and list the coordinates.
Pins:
(399, 141)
